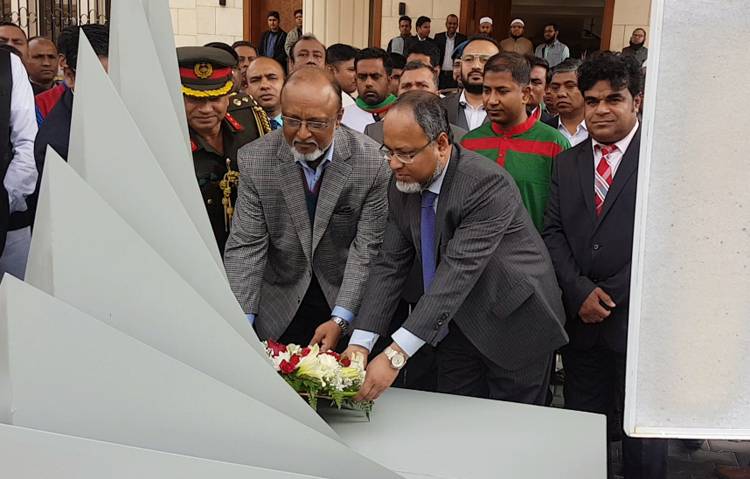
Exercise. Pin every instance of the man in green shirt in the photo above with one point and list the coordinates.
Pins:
(518, 142)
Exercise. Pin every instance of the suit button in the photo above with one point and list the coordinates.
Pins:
(596, 246)
(209, 201)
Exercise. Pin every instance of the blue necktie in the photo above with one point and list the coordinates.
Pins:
(274, 124)
(427, 232)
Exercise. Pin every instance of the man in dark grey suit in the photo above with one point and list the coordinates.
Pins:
(491, 304)
(310, 214)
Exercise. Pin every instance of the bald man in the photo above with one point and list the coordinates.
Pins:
(309, 220)
(265, 78)
(42, 64)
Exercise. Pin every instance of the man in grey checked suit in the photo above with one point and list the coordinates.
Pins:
(309, 218)
(491, 304)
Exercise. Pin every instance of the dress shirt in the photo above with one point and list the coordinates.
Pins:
(578, 136)
(474, 116)
(312, 176)
(616, 156)
(405, 339)
(20, 179)
(450, 44)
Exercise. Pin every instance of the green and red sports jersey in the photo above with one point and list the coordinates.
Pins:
(526, 151)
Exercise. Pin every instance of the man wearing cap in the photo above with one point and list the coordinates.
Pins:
(485, 26)
(219, 125)
(516, 41)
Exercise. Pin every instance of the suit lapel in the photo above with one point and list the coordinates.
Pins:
(628, 166)
(335, 178)
(289, 175)
(585, 165)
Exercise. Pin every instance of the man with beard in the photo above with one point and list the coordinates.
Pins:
(265, 78)
(516, 141)
(466, 109)
(516, 41)
(485, 26)
(374, 69)
(490, 302)
(637, 47)
(552, 49)
(310, 215)
(398, 44)
(569, 100)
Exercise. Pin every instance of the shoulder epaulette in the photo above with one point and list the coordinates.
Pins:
(236, 126)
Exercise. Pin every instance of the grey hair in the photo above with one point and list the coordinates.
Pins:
(567, 66)
(415, 65)
(306, 36)
(429, 113)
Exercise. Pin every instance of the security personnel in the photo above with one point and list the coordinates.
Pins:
(220, 123)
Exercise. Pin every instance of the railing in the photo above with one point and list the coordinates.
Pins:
(48, 17)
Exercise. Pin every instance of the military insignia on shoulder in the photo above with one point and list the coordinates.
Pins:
(237, 102)
(203, 70)
(234, 123)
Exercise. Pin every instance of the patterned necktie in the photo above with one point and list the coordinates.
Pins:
(603, 176)
(427, 233)
(274, 124)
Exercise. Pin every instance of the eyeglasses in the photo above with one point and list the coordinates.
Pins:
(472, 58)
(405, 158)
(312, 125)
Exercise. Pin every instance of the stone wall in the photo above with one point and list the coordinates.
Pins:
(197, 22)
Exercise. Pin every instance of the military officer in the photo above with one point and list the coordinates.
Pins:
(220, 122)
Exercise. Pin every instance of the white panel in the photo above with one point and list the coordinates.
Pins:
(73, 374)
(83, 253)
(31, 454)
(689, 336)
(445, 436)
(149, 99)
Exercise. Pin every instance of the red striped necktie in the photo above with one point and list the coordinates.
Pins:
(603, 176)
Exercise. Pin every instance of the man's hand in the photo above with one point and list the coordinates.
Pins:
(353, 349)
(380, 376)
(592, 310)
(327, 335)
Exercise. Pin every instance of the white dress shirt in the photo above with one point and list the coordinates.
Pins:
(578, 136)
(405, 339)
(20, 179)
(450, 44)
(616, 156)
(474, 116)
(356, 118)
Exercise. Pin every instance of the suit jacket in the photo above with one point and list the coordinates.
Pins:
(494, 277)
(279, 52)
(456, 115)
(590, 251)
(273, 250)
(375, 131)
(441, 40)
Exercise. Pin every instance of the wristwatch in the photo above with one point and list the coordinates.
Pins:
(343, 324)
(398, 360)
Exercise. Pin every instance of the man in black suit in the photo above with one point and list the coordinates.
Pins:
(491, 304)
(447, 41)
(272, 41)
(589, 234)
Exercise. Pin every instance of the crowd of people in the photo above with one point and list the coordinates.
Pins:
(462, 208)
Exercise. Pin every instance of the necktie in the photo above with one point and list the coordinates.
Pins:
(427, 233)
(603, 177)
(274, 124)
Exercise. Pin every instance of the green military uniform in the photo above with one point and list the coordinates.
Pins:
(206, 72)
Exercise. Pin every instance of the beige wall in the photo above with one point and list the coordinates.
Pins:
(338, 21)
(437, 10)
(629, 15)
(197, 22)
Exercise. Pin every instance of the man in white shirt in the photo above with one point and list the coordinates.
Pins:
(17, 136)
(374, 67)
(447, 42)
(569, 102)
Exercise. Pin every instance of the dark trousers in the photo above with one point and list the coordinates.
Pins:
(446, 80)
(312, 312)
(595, 382)
(464, 370)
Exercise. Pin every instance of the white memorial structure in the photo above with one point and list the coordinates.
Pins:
(125, 354)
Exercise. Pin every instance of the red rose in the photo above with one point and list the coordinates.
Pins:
(295, 360)
(305, 351)
(334, 354)
(286, 367)
(275, 347)
(346, 362)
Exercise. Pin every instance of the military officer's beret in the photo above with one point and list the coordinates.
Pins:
(205, 72)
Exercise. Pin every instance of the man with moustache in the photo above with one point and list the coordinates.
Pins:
(516, 141)
(466, 109)
(246, 53)
(490, 302)
(589, 233)
(374, 68)
(309, 221)
(637, 47)
(552, 50)
(265, 79)
(569, 100)
(398, 44)
(307, 51)
(42, 64)
(485, 26)
(516, 41)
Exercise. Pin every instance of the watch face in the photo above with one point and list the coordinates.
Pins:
(398, 361)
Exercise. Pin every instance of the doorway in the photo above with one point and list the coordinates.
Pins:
(256, 15)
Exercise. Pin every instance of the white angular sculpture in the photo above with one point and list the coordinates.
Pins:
(150, 99)
(73, 374)
(689, 338)
(31, 454)
(83, 253)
